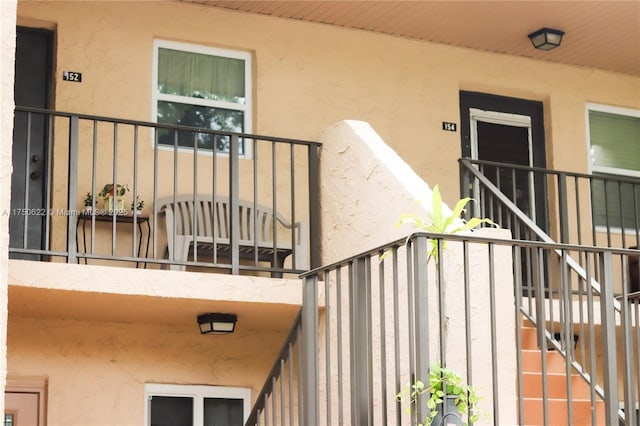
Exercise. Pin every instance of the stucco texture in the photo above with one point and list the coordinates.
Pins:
(97, 370)
(308, 76)
(7, 49)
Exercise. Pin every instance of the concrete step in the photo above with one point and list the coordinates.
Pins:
(532, 361)
(582, 412)
(558, 402)
(529, 339)
(556, 386)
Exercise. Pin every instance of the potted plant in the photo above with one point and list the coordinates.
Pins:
(438, 223)
(137, 205)
(110, 193)
(89, 203)
(449, 397)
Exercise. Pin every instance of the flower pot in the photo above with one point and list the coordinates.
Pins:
(448, 413)
(109, 204)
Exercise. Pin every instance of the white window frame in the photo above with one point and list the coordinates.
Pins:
(246, 108)
(198, 393)
(608, 170)
(612, 110)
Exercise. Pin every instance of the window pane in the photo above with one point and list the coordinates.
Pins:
(201, 76)
(203, 117)
(171, 411)
(610, 198)
(223, 412)
(615, 140)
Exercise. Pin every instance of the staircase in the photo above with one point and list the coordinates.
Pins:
(558, 403)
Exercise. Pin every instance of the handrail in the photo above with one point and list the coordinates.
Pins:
(526, 220)
(276, 370)
(164, 125)
(609, 391)
(570, 199)
(544, 170)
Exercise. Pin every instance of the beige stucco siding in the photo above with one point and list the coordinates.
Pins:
(7, 49)
(98, 334)
(97, 370)
(308, 76)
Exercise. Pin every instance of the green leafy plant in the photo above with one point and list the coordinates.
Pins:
(440, 379)
(109, 190)
(438, 223)
(138, 204)
(89, 200)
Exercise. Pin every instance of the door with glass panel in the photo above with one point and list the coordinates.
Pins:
(508, 131)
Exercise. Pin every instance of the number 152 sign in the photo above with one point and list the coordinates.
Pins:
(72, 76)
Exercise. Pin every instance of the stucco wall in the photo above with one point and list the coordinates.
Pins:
(308, 76)
(365, 188)
(7, 49)
(358, 171)
(97, 370)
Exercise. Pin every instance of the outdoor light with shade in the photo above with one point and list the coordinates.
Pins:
(216, 323)
(546, 38)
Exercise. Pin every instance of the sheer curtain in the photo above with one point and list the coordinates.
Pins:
(201, 76)
(615, 148)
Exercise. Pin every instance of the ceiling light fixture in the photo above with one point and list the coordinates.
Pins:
(217, 323)
(546, 38)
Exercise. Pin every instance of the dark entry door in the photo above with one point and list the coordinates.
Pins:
(28, 189)
(510, 131)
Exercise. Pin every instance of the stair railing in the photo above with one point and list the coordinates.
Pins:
(522, 218)
(585, 209)
(279, 401)
(594, 268)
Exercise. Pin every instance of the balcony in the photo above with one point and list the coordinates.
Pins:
(248, 206)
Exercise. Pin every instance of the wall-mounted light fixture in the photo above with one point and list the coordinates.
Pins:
(216, 323)
(546, 38)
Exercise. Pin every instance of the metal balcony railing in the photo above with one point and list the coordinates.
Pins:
(249, 204)
(574, 208)
(374, 323)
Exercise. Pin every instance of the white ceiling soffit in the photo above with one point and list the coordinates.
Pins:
(598, 34)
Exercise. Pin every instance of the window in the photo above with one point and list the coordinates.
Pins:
(177, 405)
(202, 87)
(614, 143)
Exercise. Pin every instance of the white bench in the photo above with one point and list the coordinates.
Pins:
(213, 235)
